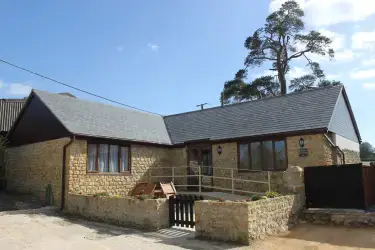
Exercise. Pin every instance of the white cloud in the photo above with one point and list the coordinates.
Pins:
(265, 73)
(369, 85)
(120, 48)
(363, 40)
(19, 89)
(368, 62)
(329, 12)
(363, 74)
(344, 55)
(297, 72)
(333, 76)
(338, 40)
(153, 47)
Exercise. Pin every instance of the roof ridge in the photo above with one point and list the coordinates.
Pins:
(259, 100)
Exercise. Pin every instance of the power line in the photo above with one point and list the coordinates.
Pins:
(70, 86)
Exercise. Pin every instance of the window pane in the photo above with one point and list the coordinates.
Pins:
(256, 156)
(280, 157)
(113, 158)
(91, 149)
(103, 158)
(124, 159)
(244, 156)
(267, 151)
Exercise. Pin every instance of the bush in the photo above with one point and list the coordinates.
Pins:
(255, 197)
(272, 194)
(222, 200)
(101, 194)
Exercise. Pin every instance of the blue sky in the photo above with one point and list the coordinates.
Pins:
(167, 56)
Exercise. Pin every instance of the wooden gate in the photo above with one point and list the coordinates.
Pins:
(181, 210)
(334, 187)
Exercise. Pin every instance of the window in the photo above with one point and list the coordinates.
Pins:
(105, 158)
(244, 156)
(264, 155)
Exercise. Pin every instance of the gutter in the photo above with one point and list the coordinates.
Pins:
(62, 203)
(336, 147)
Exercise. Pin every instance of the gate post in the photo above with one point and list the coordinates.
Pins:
(232, 181)
(199, 179)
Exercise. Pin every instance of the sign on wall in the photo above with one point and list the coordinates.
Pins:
(303, 152)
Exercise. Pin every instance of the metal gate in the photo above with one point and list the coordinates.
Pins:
(181, 210)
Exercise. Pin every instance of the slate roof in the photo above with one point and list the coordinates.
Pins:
(82, 117)
(9, 110)
(308, 110)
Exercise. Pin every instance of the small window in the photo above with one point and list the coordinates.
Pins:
(244, 156)
(92, 156)
(256, 156)
(113, 158)
(124, 159)
(267, 155)
(280, 155)
(104, 158)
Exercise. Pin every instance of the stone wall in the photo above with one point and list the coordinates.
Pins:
(351, 156)
(244, 222)
(150, 214)
(320, 152)
(142, 159)
(352, 218)
(30, 168)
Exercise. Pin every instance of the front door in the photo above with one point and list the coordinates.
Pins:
(199, 155)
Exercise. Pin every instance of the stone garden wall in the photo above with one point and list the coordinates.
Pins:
(244, 222)
(149, 214)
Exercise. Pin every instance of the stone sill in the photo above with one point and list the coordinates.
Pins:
(109, 174)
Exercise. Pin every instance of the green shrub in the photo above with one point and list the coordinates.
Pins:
(272, 194)
(101, 194)
(255, 197)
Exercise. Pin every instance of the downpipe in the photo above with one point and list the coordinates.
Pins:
(63, 179)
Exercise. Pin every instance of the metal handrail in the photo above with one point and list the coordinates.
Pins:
(200, 175)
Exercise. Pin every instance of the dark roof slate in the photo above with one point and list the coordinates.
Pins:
(306, 110)
(9, 110)
(94, 119)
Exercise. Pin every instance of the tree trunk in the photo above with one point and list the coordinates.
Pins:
(282, 81)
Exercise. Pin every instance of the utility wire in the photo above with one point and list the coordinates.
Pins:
(70, 86)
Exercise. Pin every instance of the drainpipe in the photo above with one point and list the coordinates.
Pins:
(62, 203)
(336, 147)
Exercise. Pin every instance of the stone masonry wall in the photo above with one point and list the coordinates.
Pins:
(150, 214)
(30, 168)
(142, 159)
(244, 222)
(351, 156)
(320, 152)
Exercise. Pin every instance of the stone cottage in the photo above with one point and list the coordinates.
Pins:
(81, 146)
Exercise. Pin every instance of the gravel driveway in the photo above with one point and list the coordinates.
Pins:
(43, 229)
